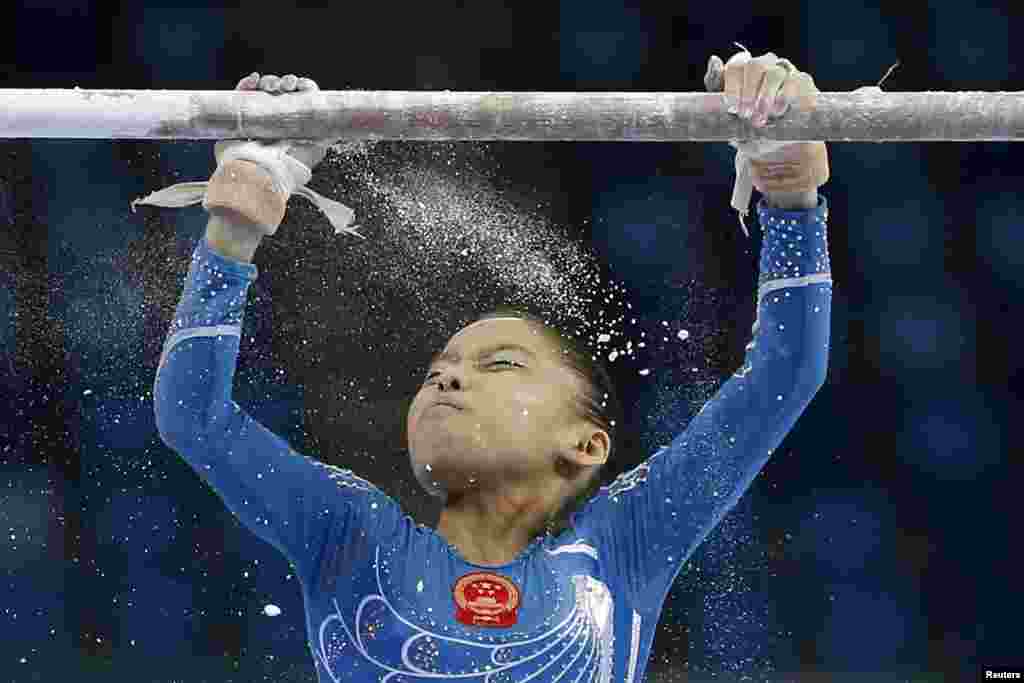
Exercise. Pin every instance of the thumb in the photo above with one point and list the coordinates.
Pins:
(714, 78)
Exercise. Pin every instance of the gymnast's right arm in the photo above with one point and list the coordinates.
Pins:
(295, 503)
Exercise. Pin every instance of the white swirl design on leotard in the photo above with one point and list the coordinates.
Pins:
(577, 650)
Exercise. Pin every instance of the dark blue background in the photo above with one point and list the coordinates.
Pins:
(878, 542)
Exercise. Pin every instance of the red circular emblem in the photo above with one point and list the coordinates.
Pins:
(485, 599)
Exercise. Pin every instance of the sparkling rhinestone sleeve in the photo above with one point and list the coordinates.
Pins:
(795, 246)
(651, 519)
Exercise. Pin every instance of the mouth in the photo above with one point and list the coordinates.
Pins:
(448, 404)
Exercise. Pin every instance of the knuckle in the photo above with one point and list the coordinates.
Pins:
(737, 59)
(734, 77)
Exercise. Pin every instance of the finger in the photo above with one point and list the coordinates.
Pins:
(753, 76)
(733, 76)
(759, 82)
(249, 82)
(798, 91)
(308, 84)
(713, 77)
(764, 103)
(270, 83)
(289, 82)
(781, 104)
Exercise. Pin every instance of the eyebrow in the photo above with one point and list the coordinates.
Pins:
(451, 357)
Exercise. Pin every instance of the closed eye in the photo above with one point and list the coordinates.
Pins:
(509, 363)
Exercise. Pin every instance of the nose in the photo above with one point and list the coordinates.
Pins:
(448, 381)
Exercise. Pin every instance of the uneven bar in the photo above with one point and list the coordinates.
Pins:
(866, 115)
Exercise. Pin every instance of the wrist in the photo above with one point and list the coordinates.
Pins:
(790, 177)
(792, 201)
(232, 237)
(244, 192)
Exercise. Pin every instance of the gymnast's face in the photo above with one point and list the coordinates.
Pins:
(511, 415)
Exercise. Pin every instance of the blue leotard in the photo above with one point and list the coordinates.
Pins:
(389, 600)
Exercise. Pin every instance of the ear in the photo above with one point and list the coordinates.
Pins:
(591, 448)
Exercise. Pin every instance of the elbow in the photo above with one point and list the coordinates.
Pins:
(819, 372)
(811, 377)
(170, 426)
(177, 431)
(174, 423)
(166, 426)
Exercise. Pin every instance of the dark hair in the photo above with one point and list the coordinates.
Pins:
(599, 403)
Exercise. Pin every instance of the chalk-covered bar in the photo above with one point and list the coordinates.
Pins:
(866, 115)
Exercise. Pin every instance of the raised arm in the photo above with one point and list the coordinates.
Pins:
(650, 520)
(291, 501)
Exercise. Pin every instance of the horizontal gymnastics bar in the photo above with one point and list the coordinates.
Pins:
(865, 115)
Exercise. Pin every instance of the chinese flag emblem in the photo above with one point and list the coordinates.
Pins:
(485, 599)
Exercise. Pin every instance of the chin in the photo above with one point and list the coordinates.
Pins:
(437, 470)
(456, 461)
(441, 480)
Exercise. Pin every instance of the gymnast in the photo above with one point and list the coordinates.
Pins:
(534, 572)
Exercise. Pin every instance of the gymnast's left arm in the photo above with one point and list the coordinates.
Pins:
(649, 520)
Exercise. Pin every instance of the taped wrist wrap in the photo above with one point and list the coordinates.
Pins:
(243, 188)
(254, 180)
(806, 174)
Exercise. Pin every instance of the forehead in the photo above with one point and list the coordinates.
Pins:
(498, 331)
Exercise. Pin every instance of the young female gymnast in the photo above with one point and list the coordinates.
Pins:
(519, 581)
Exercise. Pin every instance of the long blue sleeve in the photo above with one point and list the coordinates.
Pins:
(387, 599)
(649, 521)
(295, 503)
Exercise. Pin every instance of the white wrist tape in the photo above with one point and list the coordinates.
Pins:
(744, 185)
(288, 174)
